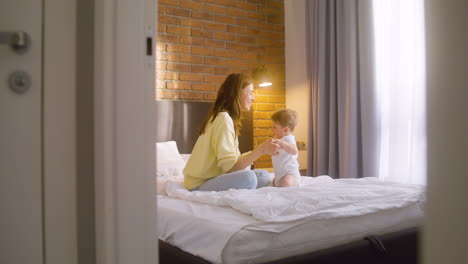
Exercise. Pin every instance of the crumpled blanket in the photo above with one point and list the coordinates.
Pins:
(317, 198)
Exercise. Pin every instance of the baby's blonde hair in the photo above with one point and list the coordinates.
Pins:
(285, 117)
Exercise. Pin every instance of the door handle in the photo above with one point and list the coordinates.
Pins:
(18, 41)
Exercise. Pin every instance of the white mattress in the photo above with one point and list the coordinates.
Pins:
(225, 235)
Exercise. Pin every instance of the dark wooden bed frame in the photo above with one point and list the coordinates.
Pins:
(181, 123)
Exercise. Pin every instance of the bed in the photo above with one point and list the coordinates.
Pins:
(367, 221)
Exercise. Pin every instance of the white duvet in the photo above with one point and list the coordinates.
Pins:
(317, 198)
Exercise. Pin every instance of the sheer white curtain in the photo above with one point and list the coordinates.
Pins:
(400, 84)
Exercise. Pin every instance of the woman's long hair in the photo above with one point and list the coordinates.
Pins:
(228, 100)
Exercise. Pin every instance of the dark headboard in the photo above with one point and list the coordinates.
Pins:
(180, 121)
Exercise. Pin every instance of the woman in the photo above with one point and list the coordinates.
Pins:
(216, 163)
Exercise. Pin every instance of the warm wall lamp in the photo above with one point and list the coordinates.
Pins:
(262, 76)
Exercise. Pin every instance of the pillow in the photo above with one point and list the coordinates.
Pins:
(185, 156)
(161, 185)
(170, 170)
(167, 151)
(169, 163)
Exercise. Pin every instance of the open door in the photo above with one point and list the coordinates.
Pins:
(21, 176)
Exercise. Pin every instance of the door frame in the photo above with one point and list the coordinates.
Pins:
(124, 105)
(59, 132)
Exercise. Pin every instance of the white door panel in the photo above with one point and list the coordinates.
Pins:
(20, 139)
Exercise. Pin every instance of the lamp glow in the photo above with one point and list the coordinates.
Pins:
(265, 84)
(261, 76)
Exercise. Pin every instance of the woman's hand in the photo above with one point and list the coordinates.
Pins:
(270, 147)
(289, 148)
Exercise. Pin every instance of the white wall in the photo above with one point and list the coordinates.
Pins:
(297, 85)
(446, 230)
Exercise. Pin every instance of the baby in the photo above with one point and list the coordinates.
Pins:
(285, 165)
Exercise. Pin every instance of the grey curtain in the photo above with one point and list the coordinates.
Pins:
(343, 135)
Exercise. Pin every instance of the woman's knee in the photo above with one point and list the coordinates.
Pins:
(249, 179)
(233, 180)
(263, 178)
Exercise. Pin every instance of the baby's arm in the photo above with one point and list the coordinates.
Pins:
(289, 148)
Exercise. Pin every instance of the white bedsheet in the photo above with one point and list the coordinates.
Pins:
(220, 215)
(192, 226)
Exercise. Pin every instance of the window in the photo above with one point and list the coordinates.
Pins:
(400, 83)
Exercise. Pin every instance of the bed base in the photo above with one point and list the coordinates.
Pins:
(399, 247)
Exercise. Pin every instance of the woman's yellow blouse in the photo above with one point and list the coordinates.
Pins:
(214, 153)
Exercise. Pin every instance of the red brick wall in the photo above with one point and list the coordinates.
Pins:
(200, 42)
